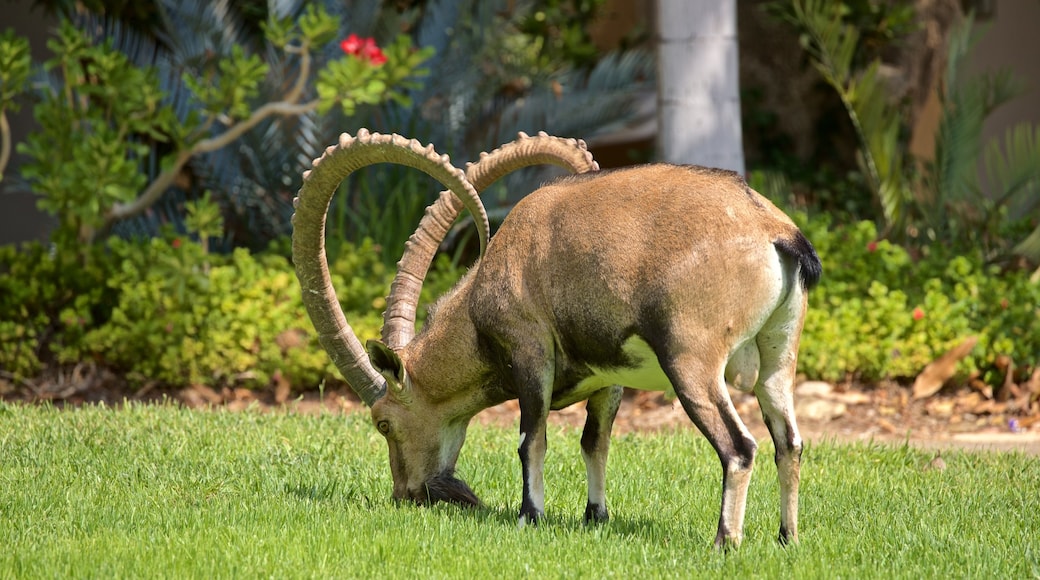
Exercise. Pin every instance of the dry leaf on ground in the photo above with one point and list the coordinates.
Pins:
(935, 375)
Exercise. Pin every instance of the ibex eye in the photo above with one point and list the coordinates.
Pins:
(384, 427)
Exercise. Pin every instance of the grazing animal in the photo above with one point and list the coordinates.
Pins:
(652, 277)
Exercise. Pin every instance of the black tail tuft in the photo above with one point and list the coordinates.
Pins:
(801, 249)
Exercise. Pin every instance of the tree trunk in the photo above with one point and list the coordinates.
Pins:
(698, 86)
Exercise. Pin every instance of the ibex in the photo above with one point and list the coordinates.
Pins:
(650, 277)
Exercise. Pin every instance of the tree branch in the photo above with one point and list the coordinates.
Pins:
(286, 107)
(5, 142)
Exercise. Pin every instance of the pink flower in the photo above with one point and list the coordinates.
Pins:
(176, 243)
(872, 246)
(352, 45)
(918, 314)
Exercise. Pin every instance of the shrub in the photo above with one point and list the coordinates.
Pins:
(879, 313)
(48, 299)
(165, 311)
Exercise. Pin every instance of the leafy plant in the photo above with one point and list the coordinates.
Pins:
(957, 207)
(563, 26)
(15, 64)
(112, 110)
(832, 43)
(48, 300)
(204, 220)
(947, 203)
(878, 313)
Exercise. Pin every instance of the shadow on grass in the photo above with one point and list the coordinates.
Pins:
(619, 525)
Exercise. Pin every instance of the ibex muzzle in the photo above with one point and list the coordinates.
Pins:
(651, 277)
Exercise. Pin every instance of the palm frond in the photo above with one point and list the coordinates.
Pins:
(1030, 247)
(1014, 171)
(832, 44)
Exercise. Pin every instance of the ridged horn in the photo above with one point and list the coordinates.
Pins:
(525, 151)
(312, 206)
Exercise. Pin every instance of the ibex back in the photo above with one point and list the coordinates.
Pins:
(651, 277)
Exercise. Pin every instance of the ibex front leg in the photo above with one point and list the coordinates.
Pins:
(602, 408)
(535, 388)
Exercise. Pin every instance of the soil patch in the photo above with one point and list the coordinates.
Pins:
(883, 413)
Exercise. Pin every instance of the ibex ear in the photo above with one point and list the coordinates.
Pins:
(386, 361)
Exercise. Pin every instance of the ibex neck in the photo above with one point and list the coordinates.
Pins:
(444, 359)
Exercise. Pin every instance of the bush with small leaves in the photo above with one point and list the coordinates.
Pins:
(879, 313)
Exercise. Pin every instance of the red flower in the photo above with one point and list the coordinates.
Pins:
(872, 246)
(176, 243)
(365, 48)
(918, 314)
(372, 52)
(352, 45)
(1004, 303)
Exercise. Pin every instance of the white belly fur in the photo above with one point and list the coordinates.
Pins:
(647, 376)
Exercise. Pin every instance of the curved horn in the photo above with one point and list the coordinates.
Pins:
(401, 305)
(312, 205)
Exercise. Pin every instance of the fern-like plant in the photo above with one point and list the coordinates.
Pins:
(998, 214)
(832, 44)
(951, 206)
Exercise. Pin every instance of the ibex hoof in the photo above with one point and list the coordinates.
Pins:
(529, 518)
(786, 538)
(596, 513)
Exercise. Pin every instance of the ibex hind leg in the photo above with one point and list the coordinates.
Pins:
(702, 392)
(602, 408)
(778, 348)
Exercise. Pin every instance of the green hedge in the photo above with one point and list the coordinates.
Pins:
(165, 311)
(878, 313)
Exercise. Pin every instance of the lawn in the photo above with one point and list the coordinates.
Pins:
(159, 491)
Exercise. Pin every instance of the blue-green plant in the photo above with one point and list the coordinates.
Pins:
(1000, 217)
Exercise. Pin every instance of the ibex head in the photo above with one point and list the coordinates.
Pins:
(652, 277)
(424, 425)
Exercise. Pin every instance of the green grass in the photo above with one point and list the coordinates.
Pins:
(157, 491)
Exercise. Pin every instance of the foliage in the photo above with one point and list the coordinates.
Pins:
(878, 313)
(48, 300)
(564, 27)
(93, 135)
(363, 81)
(204, 220)
(291, 495)
(833, 43)
(102, 117)
(165, 311)
(945, 204)
(15, 63)
(235, 321)
(958, 207)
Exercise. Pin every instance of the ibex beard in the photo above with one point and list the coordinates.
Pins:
(652, 277)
